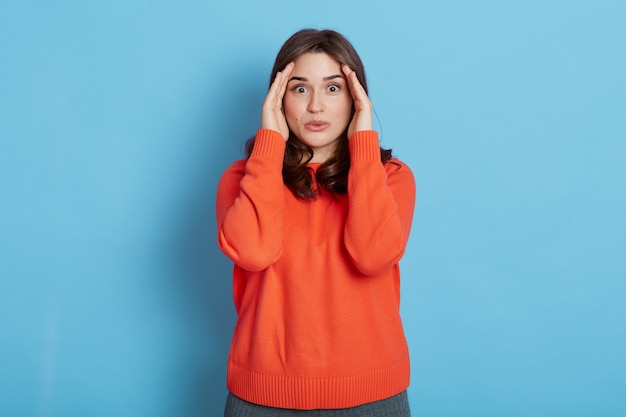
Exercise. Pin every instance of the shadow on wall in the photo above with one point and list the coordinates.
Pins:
(224, 126)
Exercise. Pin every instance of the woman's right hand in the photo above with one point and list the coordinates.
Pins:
(272, 116)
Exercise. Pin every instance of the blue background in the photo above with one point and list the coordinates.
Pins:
(118, 117)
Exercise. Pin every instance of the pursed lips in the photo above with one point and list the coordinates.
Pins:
(316, 125)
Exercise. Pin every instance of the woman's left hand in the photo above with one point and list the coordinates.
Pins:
(362, 119)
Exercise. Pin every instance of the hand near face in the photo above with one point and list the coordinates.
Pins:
(362, 119)
(272, 116)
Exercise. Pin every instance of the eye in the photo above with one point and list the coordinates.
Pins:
(333, 88)
(299, 89)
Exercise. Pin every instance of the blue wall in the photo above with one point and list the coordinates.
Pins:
(117, 118)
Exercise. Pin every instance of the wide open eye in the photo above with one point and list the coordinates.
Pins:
(300, 89)
(334, 88)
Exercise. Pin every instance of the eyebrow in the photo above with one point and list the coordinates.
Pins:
(304, 79)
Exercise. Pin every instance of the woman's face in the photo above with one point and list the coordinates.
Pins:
(317, 103)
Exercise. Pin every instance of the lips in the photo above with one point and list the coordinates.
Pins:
(316, 125)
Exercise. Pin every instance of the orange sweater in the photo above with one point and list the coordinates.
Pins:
(316, 283)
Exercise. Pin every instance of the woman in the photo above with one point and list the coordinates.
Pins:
(315, 220)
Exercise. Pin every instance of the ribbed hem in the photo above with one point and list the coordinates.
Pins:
(364, 146)
(268, 144)
(317, 393)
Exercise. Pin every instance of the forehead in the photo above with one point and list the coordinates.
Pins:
(316, 65)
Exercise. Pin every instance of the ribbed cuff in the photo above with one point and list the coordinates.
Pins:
(268, 144)
(364, 146)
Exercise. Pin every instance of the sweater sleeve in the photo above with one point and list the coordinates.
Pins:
(381, 200)
(249, 205)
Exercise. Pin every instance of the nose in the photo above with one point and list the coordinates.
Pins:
(316, 103)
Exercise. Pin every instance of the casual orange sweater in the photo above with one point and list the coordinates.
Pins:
(316, 283)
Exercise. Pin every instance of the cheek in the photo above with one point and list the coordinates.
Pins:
(346, 108)
(290, 110)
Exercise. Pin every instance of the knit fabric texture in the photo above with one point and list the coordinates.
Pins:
(316, 283)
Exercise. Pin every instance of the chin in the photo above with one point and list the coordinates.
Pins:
(319, 140)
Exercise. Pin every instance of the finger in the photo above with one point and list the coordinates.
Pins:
(362, 119)
(280, 81)
(282, 87)
(277, 88)
(347, 71)
(275, 84)
(356, 89)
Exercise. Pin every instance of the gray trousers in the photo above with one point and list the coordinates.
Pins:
(396, 406)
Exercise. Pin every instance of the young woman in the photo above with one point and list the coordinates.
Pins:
(315, 220)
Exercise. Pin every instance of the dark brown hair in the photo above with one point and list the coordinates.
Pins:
(332, 175)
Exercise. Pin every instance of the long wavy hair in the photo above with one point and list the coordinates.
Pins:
(332, 175)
